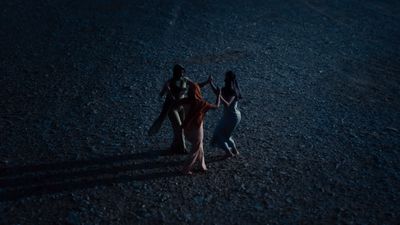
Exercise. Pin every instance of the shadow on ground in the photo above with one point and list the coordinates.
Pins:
(33, 180)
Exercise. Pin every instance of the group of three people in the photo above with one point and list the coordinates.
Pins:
(186, 109)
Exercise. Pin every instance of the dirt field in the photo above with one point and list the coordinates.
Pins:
(320, 130)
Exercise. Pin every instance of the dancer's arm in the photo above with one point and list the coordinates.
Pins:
(201, 85)
(214, 88)
(208, 81)
(219, 99)
(216, 106)
(228, 102)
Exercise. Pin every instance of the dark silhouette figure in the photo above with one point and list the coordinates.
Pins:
(175, 89)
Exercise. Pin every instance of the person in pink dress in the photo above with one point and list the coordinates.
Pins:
(197, 108)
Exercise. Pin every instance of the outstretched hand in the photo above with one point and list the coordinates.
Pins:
(210, 79)
(218, 99)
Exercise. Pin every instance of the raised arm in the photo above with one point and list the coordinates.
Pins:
(219, 99)
(208, 81)
(229, 101)
(218, 103)
(214, 88)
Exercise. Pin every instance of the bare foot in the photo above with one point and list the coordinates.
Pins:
(228, 155)
(183, 152)
(229, 152)
(187, 172)
(236, 152)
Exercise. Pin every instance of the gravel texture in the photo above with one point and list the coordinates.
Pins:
(319, 136)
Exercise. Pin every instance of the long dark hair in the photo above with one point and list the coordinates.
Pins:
(231, 85)
(177, 71)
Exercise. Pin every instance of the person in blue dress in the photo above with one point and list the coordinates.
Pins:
(230, 95)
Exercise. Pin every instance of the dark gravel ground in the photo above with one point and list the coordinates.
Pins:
(320, 126)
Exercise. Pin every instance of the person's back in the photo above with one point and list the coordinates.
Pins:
(222, 136)
(228, 94)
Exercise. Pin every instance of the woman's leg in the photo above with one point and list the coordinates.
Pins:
(226, 148)
(194, 156)
(202, 159)
(201, 149)
(182, 142)
(219, 138)
(221, 143)
(197, 153)
(232, 145)
(178, 143)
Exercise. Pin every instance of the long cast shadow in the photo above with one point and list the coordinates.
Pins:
(20, 182)
(23, 192)
(33, 179)
(17, 170)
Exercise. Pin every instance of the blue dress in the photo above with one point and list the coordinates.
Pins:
(222, 137)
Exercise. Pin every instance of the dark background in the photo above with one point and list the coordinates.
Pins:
(319, 135)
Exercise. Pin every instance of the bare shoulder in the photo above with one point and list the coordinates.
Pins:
(187, 79)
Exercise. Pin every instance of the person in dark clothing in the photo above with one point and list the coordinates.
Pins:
(175, 89)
